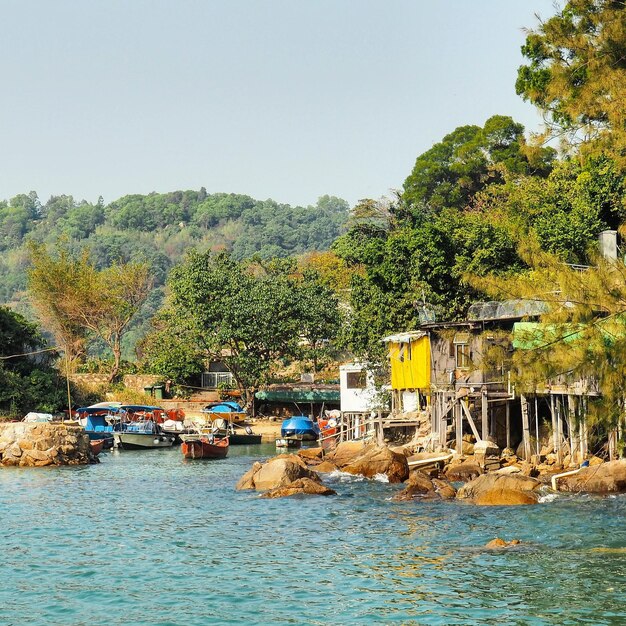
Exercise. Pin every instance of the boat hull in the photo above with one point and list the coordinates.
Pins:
(240, 439)
(142, 441)
(204, 448)
(289, 442)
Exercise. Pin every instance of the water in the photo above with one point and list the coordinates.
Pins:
(149, 538)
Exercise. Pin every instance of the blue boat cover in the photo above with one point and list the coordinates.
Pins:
(299, 425)
(224, 407)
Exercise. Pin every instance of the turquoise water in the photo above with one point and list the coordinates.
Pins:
(148, 538)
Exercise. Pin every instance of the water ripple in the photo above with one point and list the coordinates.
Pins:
(147, 538)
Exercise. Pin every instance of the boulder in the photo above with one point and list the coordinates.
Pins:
(345, 452)
(302, 486)
(605, 478)
(501, 489)
(420, 485)
(375, 460)
(463, 471)
(277, 472)
(326, 467)
(497, 543)
(311, 453)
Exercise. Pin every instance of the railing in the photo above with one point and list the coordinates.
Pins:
(351, 427)
(212, 380)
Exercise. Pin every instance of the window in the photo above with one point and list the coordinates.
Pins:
(463, 358)
(356, 380)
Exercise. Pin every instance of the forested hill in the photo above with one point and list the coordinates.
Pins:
(159, 228)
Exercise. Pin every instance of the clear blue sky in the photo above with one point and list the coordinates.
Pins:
(288, 99)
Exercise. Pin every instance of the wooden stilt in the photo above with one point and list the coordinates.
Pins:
(559, 429)
(484, 407)
(525, 428)
(508, 424)
(554, 426)
(459, 426)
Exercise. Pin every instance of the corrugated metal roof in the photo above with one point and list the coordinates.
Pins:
(405, 337)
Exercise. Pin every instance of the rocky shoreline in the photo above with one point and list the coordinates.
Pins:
(36, 444)
(487, 479)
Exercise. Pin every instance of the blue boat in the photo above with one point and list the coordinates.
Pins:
(229, 410)
(300, 427)
(94, 420)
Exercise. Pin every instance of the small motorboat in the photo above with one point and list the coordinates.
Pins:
(141, 436)
(96, 420)
(289, 443)
(204, 446)
(229, 410)
(300, 427)
(96, 446)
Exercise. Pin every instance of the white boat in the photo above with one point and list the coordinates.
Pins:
(141, 436)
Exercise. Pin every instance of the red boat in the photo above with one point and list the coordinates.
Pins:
(204, 447)
(96, 446)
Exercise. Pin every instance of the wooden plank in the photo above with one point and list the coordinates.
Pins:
(484, 409)
(470, 420)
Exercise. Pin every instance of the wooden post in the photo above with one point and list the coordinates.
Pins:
(554, 426)
(459, 426)
(443, 419)
(508, 424)
(537, 425)
(525, 427)
(571, 423)
(484, 408)
(381, 435)
(559, 430)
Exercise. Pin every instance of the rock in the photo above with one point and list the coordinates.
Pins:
(463, 471)
(246, 481)
(311, 453)
(302, 486)
(419, 485)
(501, 543)
(499, 489)
(277, 472)
(346, 452)
(594, 460)
(509, 469)
(444, 489)
(326, 467)
(376, 460)
(605, 478)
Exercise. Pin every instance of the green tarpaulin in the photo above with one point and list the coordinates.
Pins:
(296, 395)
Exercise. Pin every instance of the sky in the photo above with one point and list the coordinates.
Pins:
(282, 99)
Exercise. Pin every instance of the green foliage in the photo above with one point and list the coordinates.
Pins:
(576, 74)
(27, 383)
(247, 315)
(455, 169)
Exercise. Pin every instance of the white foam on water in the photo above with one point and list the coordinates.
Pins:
(344, 477)
(381, 478)
(549, 497)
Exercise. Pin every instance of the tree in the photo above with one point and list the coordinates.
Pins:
(250, 316)
(28, 382)
(78, 301)
(449, 174)
(576, 74)
(583, 332)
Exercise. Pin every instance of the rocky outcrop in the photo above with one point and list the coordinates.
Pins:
(280, 471)
(369, 461)
(302, 486)
(599, 478)
(463, 471)
(39, 444)
(498, 543)
(501, 489)
(420, 485)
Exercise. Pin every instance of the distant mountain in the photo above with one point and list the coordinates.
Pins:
(160, 228)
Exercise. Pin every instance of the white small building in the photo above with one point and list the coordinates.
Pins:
(358, 391)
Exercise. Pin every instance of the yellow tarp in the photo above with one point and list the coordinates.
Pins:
(410, 364)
